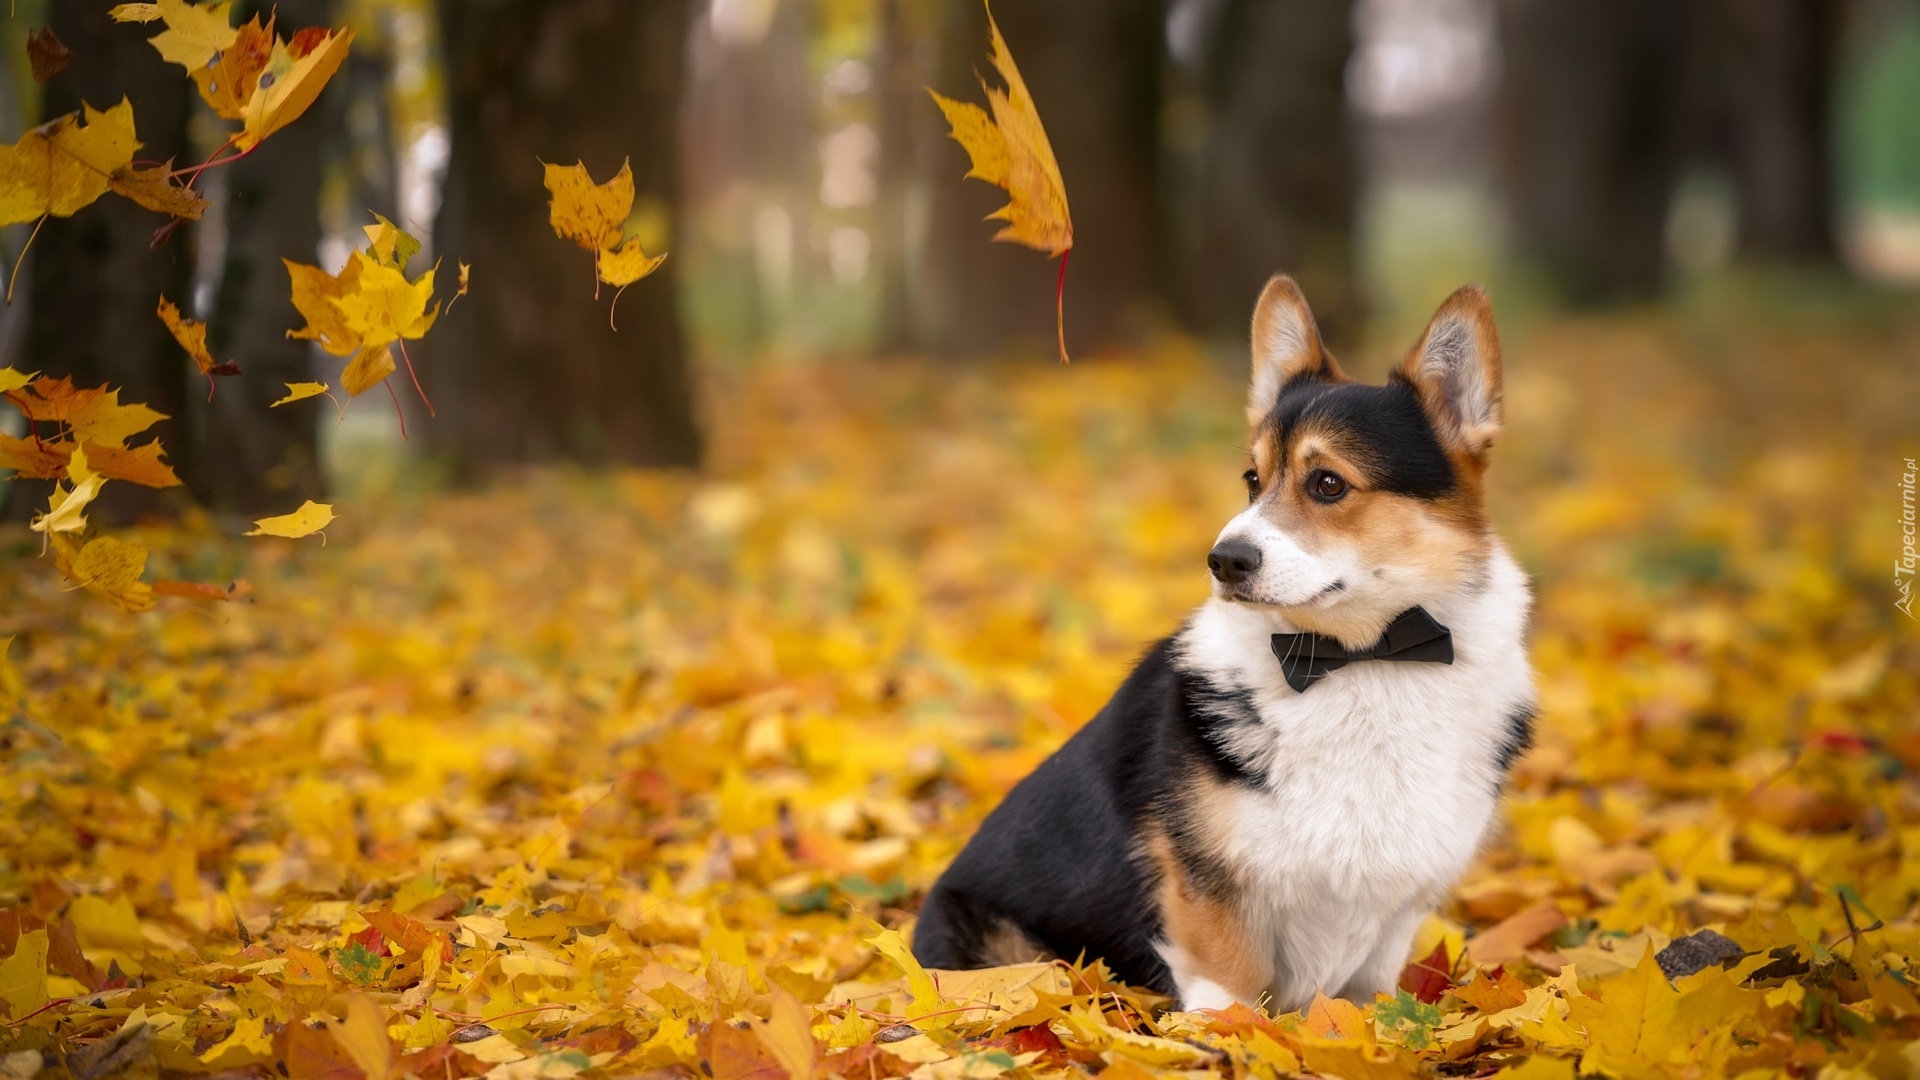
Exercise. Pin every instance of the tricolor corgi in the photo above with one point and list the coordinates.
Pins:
(1280, 792)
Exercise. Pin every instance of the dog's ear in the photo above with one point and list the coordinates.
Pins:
(1286, 344)
(1456, 369)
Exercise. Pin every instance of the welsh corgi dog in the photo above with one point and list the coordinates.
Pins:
(1281, 791)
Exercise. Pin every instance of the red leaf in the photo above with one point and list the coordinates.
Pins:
(1428, 979)
(47, 55)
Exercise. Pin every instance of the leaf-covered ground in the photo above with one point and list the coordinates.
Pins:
(642, 774)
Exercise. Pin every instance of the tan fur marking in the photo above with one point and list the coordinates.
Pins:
(1008, 944)
(1208, 930)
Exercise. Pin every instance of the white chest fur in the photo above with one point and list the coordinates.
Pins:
(1381, 783)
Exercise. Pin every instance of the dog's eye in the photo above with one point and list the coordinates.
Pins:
(1252, 477)
(1326, 486)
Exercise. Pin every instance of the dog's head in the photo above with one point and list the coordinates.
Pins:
(1362, 500)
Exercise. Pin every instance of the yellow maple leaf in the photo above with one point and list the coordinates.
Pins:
(787, 1033)
(65, 506)
(589, 214)
(383, 306)
(926, 994)
(23, 975)
(300, 391)
(1010, 150)
(13, 379)
(63, 165)
(363, 1035)
(294, 84)
(309, 519)
(367, 369)
(41, 459)
(389, 244)
(626, 264)
(195, 33)
(110, 568)
(316, 296)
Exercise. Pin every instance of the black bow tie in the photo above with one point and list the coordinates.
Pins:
(1412, 635)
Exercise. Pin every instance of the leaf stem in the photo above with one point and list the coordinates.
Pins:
(416, 379)
(1060, 306)
(397, 410)
(17, 263)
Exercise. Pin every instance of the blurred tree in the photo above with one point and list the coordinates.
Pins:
(1094, 71)
(96, 279)
(1780, 98)
(250, 456)
(526, 367)
(1276, 176)
(1592, 108)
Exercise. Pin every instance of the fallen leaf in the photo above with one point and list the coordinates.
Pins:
(23, 976)
(309, 519)
(1507, 940)
(363, 1035)
(202, 590)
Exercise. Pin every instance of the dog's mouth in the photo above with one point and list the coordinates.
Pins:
(1241, 596)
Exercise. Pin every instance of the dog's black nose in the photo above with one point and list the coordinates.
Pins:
(1232, 561)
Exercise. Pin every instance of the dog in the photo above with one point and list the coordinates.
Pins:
(1280, 792)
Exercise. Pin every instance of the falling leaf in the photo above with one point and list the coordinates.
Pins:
(594, 216)
(195, 33)
(228, 83)
(366, 370)
(66, 504)
(192, 336)
(94, 415)
(465, 270)
(309, 519)
(293, 87)
(64, 165)
(11, 380)
(43, 459)
(300, 391)
(589, 214)
(389, 244)
(384, 307)
(155, 188)
(1010, 150)
(45, 52)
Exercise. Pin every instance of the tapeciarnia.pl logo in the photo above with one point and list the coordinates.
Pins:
(1903, 567)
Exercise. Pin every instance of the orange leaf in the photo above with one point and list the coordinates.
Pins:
(202, 590)
(229, 81)
(192, 336)
(1493, 995)
(1507, 940)
(1337, 1017)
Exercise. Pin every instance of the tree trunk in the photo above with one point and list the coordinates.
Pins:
(250, 456)
(1094, 72)
(1782, 103)
(526, 368)
(1591, 112)
(96, 280)
(1277, 178)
